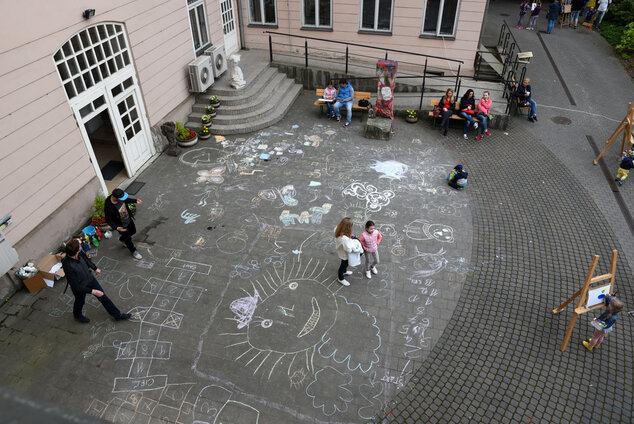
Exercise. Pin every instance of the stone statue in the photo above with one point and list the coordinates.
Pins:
(237, 77)
(169, 131)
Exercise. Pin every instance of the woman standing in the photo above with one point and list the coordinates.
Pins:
(343, 240)
(447, 105)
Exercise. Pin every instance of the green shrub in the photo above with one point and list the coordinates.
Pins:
(627, 41)
(620, 12)
(612, 33)
(181, 131)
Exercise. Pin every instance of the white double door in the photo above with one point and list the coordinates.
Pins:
(229, 27)
(121, 97)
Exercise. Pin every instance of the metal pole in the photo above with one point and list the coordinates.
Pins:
(457, 77)
(306, 51)
(458, 88)
(346, 59)
(422, 90)
(386, 55)
(270, 48)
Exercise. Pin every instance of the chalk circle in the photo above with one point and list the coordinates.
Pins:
(267, 323)
(293, 285)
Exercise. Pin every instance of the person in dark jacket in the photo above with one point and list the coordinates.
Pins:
(524, 93)
(624, 168)
(447, 105)
(553, 13)
(119, 217)
(467, 110)
(77, 268)
(457, 178)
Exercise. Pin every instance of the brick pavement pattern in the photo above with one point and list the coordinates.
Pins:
(536, 230)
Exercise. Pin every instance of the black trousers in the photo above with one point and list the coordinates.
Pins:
(444, 123)
(80, 299)
(126, 236)
(342, 269)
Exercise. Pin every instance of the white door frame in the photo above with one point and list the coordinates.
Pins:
(235, 45)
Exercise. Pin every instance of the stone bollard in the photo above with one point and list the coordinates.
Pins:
(378, 128)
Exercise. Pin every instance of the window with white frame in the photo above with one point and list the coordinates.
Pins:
(376, 15)
(198, 24)
(262, 12)
(317, 13)
(439, 17)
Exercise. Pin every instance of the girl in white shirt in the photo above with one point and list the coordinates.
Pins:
(343, 240)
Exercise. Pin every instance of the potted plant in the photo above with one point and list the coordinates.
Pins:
(411, 116)
(185, 136)
(204, 133)
(211, 111)
(206, 119)
(98, 218)
(214, 101)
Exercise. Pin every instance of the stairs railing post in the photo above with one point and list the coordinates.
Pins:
(458, 88)
(306, 52)
(270, 48)
(457, 77)
(346, 59)
(386, 55)
(422, 89)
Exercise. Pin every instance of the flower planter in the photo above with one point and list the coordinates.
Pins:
(204, 135)
(411, 120)
(188, 143)
(216, 104)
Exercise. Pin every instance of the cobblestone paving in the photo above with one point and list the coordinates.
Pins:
(498, 361)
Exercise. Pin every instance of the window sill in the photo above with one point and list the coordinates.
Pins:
(438, 37)
(369, 31)
(201, 50)
(250, 25)
(311, 28)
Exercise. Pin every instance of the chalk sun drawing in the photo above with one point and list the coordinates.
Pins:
(390, 169)
(375, 200)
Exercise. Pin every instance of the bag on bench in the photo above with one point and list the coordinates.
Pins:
(364, 103)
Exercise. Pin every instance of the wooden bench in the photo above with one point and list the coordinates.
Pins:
(357, 96)
(434, 102)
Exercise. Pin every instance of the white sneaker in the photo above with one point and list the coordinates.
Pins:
(344, 283)
(347, 273)
(374, 270)
(137, 255)
(465, 136)
(368, 275)
(475, 125)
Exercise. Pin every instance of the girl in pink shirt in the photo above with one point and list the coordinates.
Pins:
(330, 93)
(484, 112)
(370, 240)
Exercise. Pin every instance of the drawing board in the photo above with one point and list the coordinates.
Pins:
(596, 295)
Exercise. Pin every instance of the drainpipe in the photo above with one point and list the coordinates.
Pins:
(242, 46)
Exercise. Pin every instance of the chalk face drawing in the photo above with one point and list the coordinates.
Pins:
(427, 264)
(421, 229)
(375, 199)
(390, 169)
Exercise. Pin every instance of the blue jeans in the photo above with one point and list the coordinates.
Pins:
(331, 111)
(348, 104)
(533, 106)
(483, 122)
(574, 15)
(551, 24)
(467, 124)
(598, 20)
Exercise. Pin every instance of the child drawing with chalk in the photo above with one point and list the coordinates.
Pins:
(457, 178)
(343, 241)
(370, 240)
(606, 322)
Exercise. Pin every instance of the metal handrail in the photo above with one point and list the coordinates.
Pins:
(386, 50)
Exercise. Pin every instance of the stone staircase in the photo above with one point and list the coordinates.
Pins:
(265, 99)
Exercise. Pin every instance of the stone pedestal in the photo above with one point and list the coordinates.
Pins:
(379, 128)
(237, 77)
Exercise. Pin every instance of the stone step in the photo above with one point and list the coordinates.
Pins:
(264, 106)
(232, 96)
(229, 106)
(278, 112)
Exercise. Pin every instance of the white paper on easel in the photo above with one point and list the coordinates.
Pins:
(533, 6)
(596, 296)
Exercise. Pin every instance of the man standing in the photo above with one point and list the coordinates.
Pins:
(77, 268)
(119, 217)
(345, 96)
(601, 9)
(524, 93)
(553, 14)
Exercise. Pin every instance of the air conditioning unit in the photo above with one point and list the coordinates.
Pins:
(201, 74)
(218, 59)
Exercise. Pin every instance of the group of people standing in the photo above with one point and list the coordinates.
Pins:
(593, 14)
(467, 109)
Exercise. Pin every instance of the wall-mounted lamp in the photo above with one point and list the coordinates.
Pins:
(88, 13)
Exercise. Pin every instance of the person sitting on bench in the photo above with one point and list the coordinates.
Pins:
(524, 93)
(345, 96)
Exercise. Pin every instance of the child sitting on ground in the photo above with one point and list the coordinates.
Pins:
(330, 92)
(457, 178)
(608, 318)
(624, 169)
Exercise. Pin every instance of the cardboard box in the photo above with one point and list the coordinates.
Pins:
(47, 263)
(35, 283)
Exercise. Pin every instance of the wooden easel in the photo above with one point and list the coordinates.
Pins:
(626, 126)
(583, 294)
(564, 17)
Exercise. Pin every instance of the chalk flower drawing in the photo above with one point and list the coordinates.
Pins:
(390, 169)
(375, 200)
(321, 388)
(421, 229)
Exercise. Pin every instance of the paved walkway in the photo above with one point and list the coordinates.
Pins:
(540, 212)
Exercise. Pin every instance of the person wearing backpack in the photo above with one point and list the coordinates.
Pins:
(624, 168)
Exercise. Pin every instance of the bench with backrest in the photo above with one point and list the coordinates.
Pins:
(358, 95)
(434, 102)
